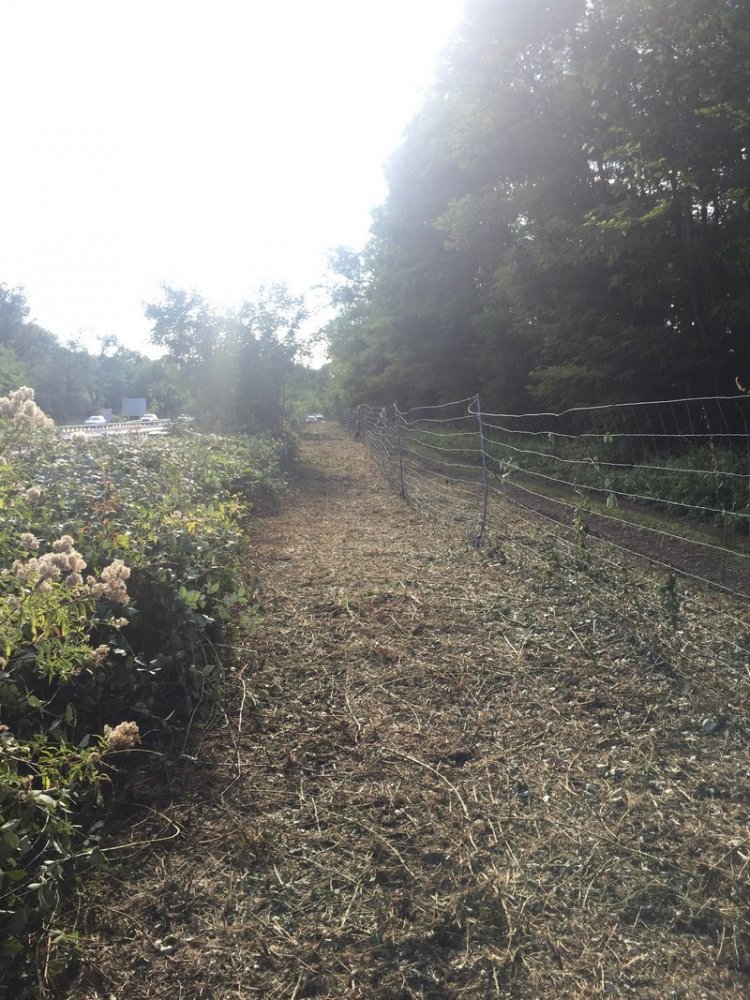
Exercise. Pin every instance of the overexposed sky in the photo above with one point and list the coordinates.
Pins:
(214, 144)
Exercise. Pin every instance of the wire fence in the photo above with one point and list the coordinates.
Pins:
(645, 506)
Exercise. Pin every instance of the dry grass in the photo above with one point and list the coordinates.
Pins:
(448, 774)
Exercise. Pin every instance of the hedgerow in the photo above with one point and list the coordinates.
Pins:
(122, 561)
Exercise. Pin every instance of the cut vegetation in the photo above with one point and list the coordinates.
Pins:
(446, 774)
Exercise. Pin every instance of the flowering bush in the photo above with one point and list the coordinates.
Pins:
(20, 415)
(122, 560)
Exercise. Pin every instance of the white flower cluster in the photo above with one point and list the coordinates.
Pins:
(112, 584)
(66, 564)
(20, 410)
(124, 736)
(62, 562)
(99, 655)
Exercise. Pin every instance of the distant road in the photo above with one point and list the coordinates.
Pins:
(158, 427)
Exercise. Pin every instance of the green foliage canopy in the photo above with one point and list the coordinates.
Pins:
(233, 366)
(568, 217)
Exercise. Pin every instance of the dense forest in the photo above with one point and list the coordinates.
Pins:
(568, 217)
(233, 370)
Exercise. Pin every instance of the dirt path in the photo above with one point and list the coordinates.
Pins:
(439, 781)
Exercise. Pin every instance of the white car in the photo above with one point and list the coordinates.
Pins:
(96, 420)
(149, 418)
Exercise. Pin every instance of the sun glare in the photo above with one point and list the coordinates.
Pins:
(217, 146)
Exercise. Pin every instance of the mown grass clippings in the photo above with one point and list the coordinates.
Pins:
(463, 774)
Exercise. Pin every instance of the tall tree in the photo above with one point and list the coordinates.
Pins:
(262, 347)
(232, 365)
(568, 217)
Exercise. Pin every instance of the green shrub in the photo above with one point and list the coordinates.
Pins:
(122, 561)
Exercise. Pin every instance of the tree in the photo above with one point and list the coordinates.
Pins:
(263, 346)
(568, 218)
(13, 313)
(121, 373)
(70, 382)
(12, 371)
(186, 325)
(231, 366)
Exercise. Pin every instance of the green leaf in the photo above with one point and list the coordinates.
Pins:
(45, 800)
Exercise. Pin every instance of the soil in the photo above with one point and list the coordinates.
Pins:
(653, 538)
(445, 773)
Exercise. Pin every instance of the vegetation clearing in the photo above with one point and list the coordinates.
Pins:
(444, 776)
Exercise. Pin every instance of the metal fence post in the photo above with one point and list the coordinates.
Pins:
(385, 461)
(398, 450)
(485, 480)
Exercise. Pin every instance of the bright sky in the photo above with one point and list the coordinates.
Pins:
(210, 144)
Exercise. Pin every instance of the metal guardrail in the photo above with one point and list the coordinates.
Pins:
(127, 427)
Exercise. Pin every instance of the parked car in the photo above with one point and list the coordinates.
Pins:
(314, 418)
(95, 420)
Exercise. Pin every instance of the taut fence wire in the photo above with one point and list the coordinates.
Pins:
(646, 506)
(433, 455)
